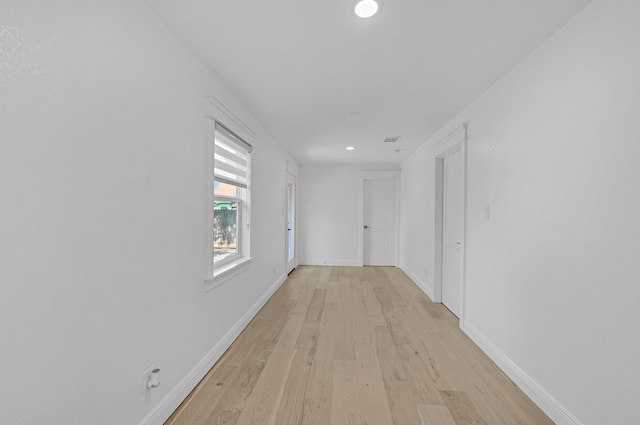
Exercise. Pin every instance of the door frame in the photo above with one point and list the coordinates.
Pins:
(455, 141)
(377, 175)
(291, 170)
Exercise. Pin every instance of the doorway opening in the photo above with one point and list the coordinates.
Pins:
(450, 213)
(291, 262)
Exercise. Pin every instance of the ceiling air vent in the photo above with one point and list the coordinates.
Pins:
(391, 139)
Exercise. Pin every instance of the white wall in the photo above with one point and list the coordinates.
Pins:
(102, 215)
(329, 212)
(417, 217)
(552, 278)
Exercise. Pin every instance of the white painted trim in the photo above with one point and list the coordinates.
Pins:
(328, 262)
(541, 397)
(163, 410)
(453, 138)
(291, 175)
(225, 273)
(545, 401)
(378, 175)
(219, 105)
(454, 141)
(209, 130)
(212, 275)
(424, 287)
(464, 228)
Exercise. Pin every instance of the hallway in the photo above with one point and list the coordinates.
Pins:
(343, 345)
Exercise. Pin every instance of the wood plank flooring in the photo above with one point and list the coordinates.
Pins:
(362, 346)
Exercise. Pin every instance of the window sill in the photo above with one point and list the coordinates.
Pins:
(224, 273)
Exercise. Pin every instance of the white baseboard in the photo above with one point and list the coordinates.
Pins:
(162, 412)
(545, 401)
(419, 282)
(326, 262)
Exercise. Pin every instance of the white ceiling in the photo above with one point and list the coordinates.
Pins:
(301, 66)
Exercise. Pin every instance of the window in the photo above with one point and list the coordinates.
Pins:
(227, 203)
(229, 189)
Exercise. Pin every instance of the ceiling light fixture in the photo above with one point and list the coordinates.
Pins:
(366, 8)
(350, 148)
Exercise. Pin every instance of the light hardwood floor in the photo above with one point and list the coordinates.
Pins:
(346, 345)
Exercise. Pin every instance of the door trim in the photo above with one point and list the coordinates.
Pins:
(291, 170)
(377, 175)
(457, 140)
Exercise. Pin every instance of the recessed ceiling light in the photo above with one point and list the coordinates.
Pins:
(366, 8)
(350, 148)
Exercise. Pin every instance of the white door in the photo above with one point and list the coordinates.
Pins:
(379, 201)
(291, 222)
(452, 231)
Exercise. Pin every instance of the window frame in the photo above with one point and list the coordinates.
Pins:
(219, 272)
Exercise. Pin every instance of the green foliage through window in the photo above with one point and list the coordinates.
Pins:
(225, 229)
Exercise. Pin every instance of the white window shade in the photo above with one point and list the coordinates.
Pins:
(231, 156)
